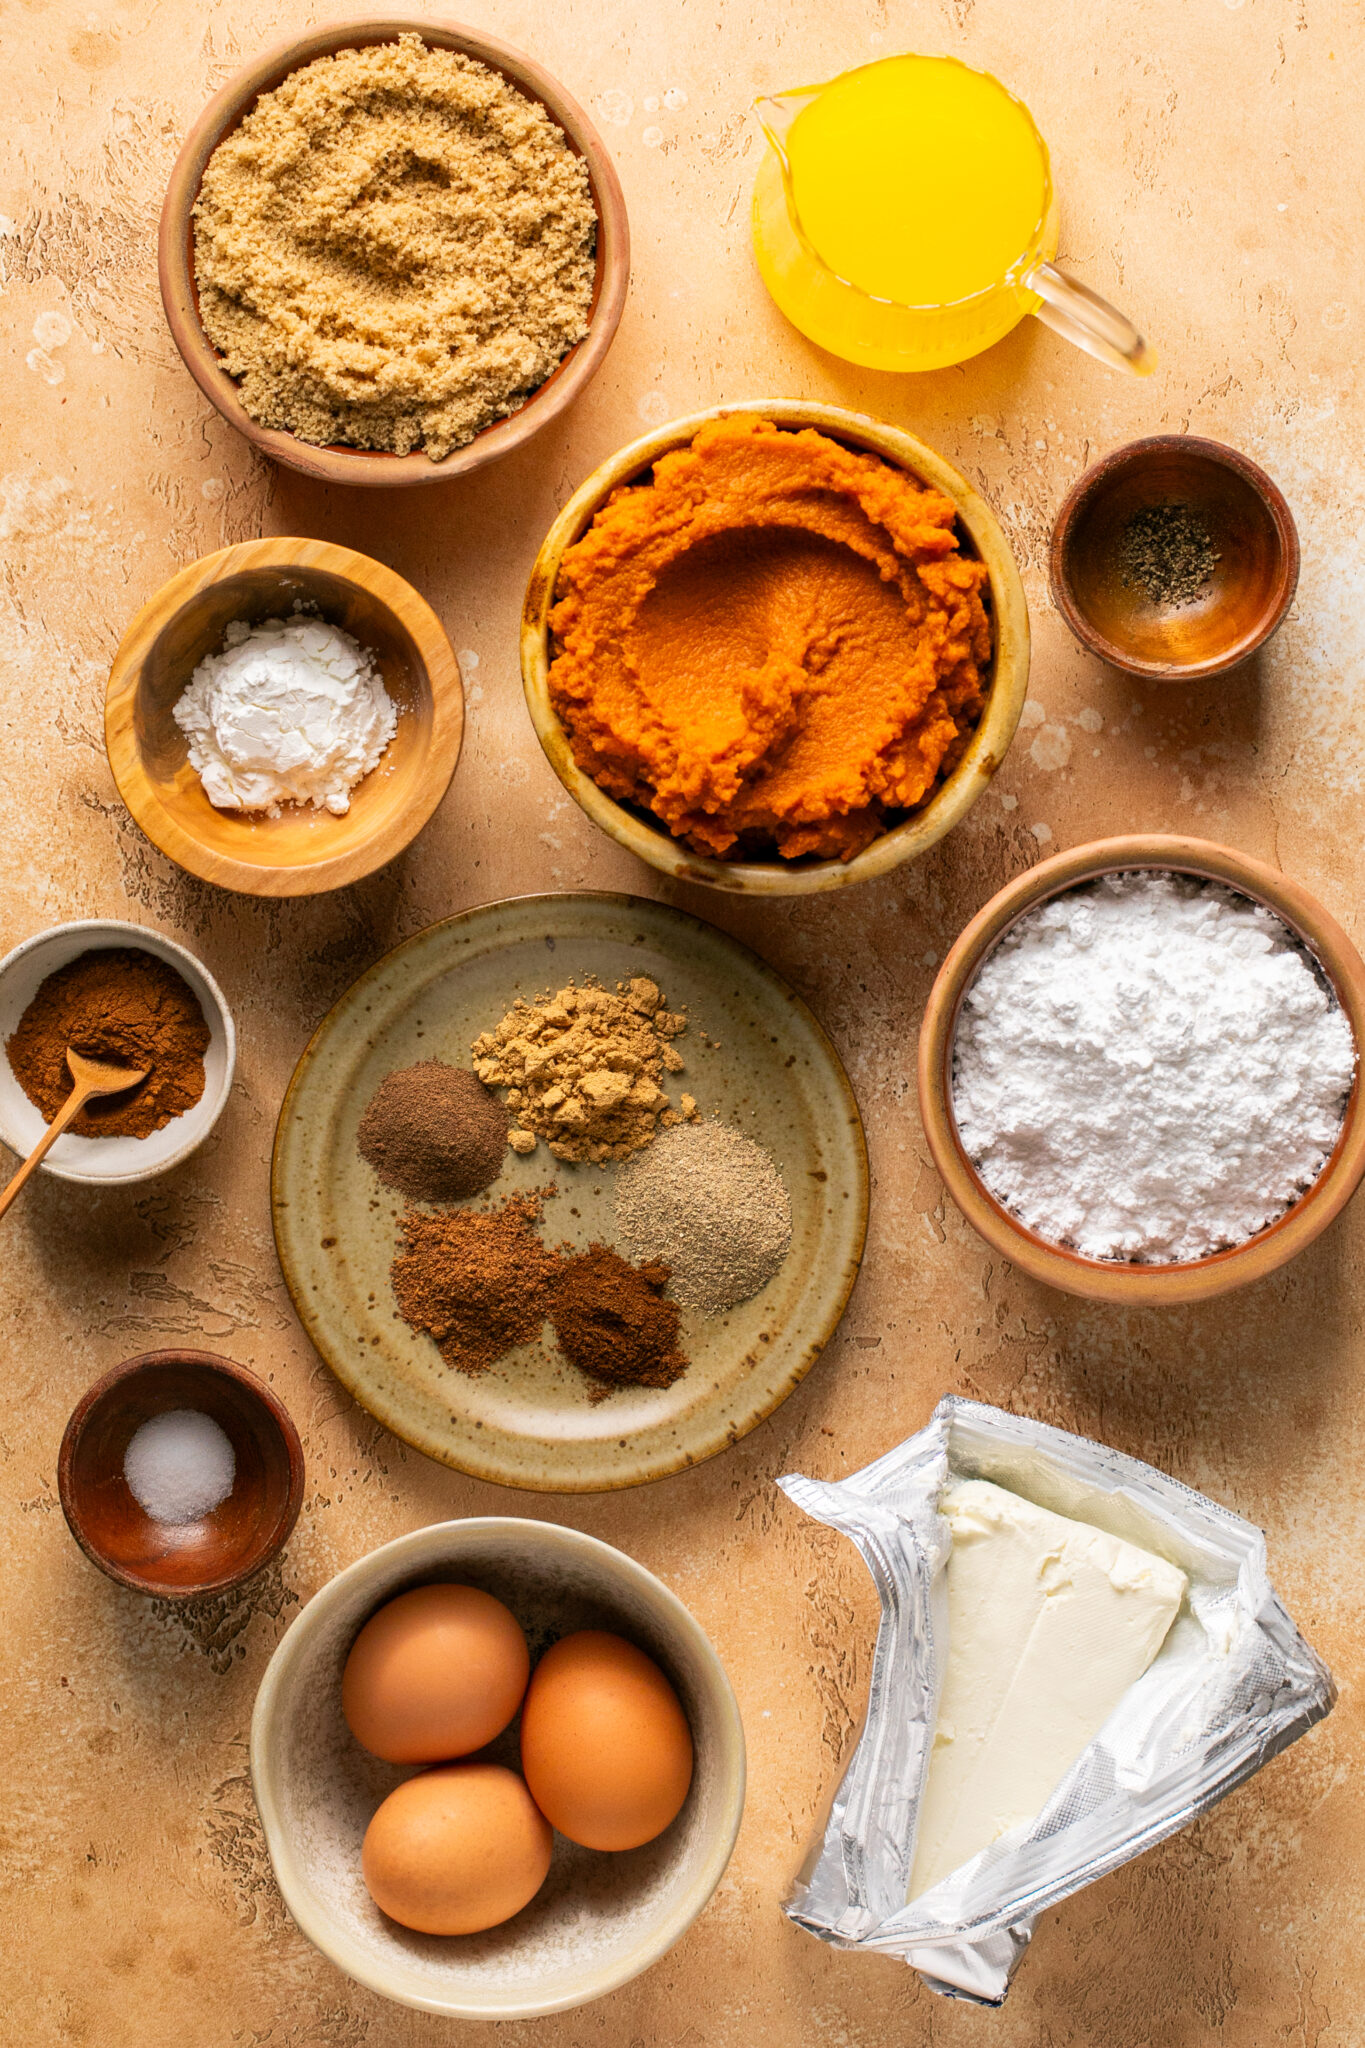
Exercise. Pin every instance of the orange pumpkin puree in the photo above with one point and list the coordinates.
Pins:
(775, 642)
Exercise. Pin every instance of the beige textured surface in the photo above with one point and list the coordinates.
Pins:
(1210, 157)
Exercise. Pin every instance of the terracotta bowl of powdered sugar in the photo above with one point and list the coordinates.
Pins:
(295, 846)
(1138, 1086)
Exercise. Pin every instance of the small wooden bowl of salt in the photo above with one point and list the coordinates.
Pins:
(180, 1473)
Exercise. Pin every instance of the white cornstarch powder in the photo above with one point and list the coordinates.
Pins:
(179, 1465)
(293, 711)
(1150, 1068)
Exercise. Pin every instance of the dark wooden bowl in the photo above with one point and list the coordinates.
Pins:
(235, 1539)
(179, 296)
(1248, 594)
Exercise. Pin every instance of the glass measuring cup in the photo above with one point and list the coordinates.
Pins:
(898, 277)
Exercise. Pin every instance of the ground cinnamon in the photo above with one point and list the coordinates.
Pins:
(119, 1004)
(477, 1281)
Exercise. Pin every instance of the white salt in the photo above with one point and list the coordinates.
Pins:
(179, 1465)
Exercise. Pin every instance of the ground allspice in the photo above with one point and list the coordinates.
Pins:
(125, 1006)
(1166, 551)
(477, 1281)
(434, 1132)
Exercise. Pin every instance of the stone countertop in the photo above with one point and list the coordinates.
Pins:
(1210, 158)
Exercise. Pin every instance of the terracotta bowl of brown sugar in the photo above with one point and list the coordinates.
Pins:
(346, 465)
(1057, 1265)
(110, 1161)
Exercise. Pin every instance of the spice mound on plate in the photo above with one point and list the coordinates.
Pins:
(583, 1068)
(477, 1282)
(434, 1132)
(481, 1282)
(709, 1204)
(1150, 1068)
(290, 711)
(614, 1322)
(393, 250)
(775, 644)
(131, 1008)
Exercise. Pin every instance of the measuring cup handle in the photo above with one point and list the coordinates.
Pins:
(1083, 317)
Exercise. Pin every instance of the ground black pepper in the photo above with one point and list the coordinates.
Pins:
(1166, 552)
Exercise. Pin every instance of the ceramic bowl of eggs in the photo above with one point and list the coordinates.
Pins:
(499, 1767)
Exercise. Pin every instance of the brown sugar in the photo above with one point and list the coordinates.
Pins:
(393, 249)
(131, 1008)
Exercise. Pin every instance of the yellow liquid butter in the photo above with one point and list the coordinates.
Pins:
(912, 186)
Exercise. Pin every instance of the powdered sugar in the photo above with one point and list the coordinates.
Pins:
(291, 711)
(1150, 1068)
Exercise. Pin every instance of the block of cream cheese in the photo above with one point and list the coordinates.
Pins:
(1049, 1623)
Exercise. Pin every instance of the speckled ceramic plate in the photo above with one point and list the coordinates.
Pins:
(763, 1065)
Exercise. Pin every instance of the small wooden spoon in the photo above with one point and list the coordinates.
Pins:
(92, 1078)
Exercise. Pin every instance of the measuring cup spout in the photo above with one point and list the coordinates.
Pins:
(776, 112)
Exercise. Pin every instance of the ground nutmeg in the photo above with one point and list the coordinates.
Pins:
(131, 1008)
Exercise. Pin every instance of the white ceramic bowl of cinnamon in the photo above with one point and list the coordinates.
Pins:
(110, 1161)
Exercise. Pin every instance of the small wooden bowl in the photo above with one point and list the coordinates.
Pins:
(643, 834)
(1250, 590)
(339, 464)
(1112, 1279)
(238, 1537)
(303, 851)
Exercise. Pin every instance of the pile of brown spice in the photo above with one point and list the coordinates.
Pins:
(434, 1132)
(583, 1068)
(1167, 552)
(613, 1321)
(393, 249)
(480, 1282)
(131, 1008)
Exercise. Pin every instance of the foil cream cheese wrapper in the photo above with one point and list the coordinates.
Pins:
(1233, 1684)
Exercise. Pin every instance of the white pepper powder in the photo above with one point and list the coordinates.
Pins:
(1150, 1068)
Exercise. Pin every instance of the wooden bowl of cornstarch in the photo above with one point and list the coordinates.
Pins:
(292, 848)
(1177, 1140)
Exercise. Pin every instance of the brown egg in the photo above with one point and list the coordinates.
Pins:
(605, 1745)
(436, 1673)
(456, 1850)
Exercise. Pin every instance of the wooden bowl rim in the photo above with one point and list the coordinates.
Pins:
(1131, 456)
(1112, 1280)
(338, 464)
(225, 1368)
(985, 751)
(435, 770)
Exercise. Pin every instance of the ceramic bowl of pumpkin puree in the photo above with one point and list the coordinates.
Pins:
(775, 647)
